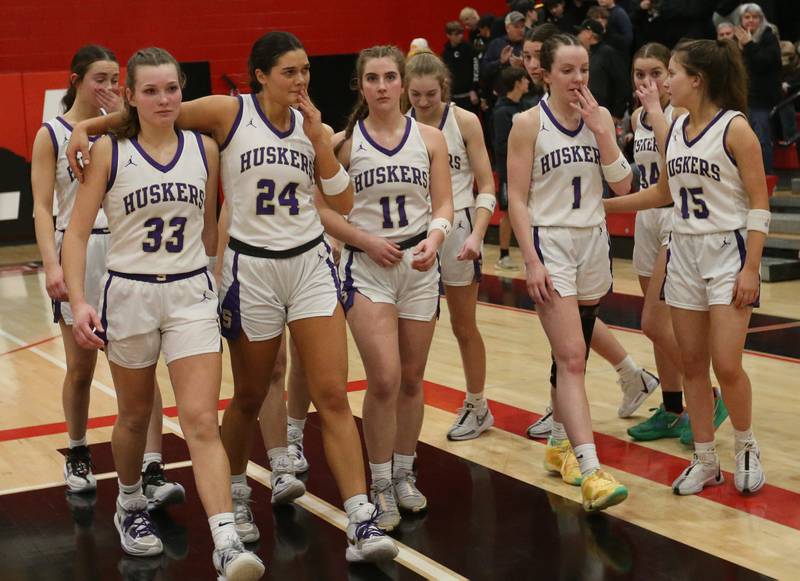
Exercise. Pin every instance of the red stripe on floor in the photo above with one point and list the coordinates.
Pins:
(30, 345)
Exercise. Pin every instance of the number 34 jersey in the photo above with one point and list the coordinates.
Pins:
(704, 180)
(155, 212)
(268, 180)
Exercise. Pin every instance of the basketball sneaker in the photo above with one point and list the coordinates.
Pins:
(285, 486)
(78, 470)
(235, 563)
(601, 490)
(542, 427)
(720, 415)
(662, 424)
(382, 495)
(137, 534)
(749, 476)
(560, 459)
(506, 263)
(471, 421)
(366, 542)
(698, 475)
(242, 515)
(408, 496)
(295, 446)
(635, 391)
(158, 490)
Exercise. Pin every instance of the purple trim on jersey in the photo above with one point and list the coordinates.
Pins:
(661, 295)
(699, 136)
(669, 134)
(56, 310)
(476, 264)
(202, 149)
(537, 244)
(66, 124)
(154, 163)
(558, 125)
(441, 287)
(104, 315)
(275, 130)
(383, 150)
(112, 174)
(348, 290)
(724, 137)
(444, 116)
(235, 125)
(334, 274)
(52, 133)
(740, 244)
(642, 122)
(231, 304)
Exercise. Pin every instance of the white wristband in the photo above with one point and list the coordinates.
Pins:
(616, 171)
(488, 201)
(212, 263)
(337, 184)
(759, 220)
(442, 224)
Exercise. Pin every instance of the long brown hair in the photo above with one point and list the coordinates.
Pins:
(83, 59)
(719, 63)
(148, 57)
(425, 63)
(360, 110)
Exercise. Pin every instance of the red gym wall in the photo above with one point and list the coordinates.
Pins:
(37, 41)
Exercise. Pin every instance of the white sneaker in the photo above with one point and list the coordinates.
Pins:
(137, 534)
(749, 476)
(235, 563)
(635, 391)
(242, 515)
(471, 421)
(697, 476)
(382, 495)
(506, 263)
(408, 495)
(366, 542)
(285, 486)
(542, 427)
(158, 490)
(295, 439)
(78, 471)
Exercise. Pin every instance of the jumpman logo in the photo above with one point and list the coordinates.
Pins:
(725, 242)
(361, 147)
(251, 124)
(130, 162)
(206, 296)
(460, 225)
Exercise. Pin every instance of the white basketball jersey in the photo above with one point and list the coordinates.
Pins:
(268, 180)
(391, 186)
(708, 192)
(567, 181)
(66, 185)
(460, 170)
(645, 150)
(156, 212)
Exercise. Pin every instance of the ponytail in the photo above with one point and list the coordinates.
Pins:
(719, 63)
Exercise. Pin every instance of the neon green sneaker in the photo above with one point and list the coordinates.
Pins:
(662, 424)
(720, 414)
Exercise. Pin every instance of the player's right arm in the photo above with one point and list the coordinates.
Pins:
(43, 179)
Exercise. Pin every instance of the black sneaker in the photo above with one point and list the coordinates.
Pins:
(78, 470)
(158, 490)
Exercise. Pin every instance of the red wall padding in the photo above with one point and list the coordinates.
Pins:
(12, 115)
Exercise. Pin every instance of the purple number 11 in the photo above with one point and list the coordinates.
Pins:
(401, 211)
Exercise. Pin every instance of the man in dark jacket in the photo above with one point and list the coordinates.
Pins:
(608, 75)
(463, 66)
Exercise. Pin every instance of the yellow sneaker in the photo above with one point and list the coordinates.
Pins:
(560, 459)
(601, 490)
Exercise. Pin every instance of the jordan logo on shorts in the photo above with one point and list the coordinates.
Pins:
(206, 296)
(460, 225)
(130, 162)
(725, 242)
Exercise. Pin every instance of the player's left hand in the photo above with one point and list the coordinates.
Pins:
(109, 100)
(471, 249)
(424, 255)
(745, 290)
(312, 118)
(590, 110)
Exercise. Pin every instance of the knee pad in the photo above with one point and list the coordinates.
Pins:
(588, 314)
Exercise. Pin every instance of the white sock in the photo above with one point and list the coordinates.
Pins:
(223, 530)
(76, 443)
(239, 479)
(742, 438)
(403, 464)
(587, 458)
(475, 399)
(352, 504)
(275, 453)
(382, 471)
(558, 432)
(131, 495)
(627, 369)
(706, 451)
(295, 423)
(150, 457)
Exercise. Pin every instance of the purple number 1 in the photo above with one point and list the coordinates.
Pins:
(576, 192)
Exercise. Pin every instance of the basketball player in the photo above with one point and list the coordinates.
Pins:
(94, 83)
(152, 181)
(715, 177)
(567, 144)
(389, 268)
(427, 82)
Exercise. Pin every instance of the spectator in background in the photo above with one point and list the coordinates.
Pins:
(612, 39)
(619, 30)
(667, 21)
(417, 45)
(608, 74)
(555, 13)
(790, 85)
(577, 9)
(528, 8)
(531, 50)
(513, 84)
(469, 17)
(463, 66)
(504, 51)
(762, 57)
(725, 31)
